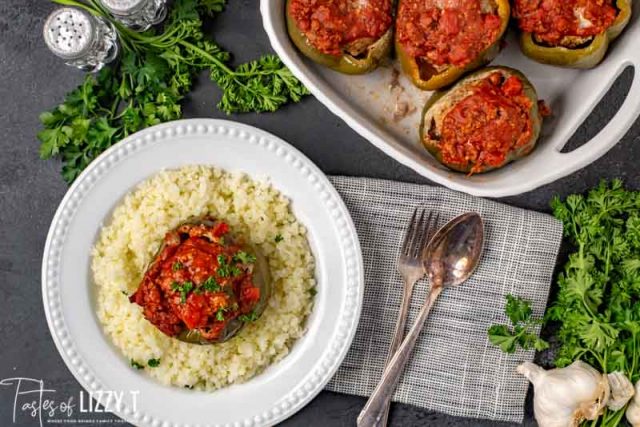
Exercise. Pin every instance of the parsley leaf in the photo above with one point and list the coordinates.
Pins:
(177, 266)
(220, 315)
(501, 336)
(250, 317)
(136, 365)
(278, 238)
(211, 284)
(153, 363)
(244, 258)
(517, 309)
(223, 267)
(183, 289)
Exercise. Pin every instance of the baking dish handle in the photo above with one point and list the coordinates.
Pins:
(610, 135)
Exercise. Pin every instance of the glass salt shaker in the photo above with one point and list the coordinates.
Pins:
(139, 15)
(82, 40)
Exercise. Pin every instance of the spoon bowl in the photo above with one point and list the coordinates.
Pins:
(454, 251)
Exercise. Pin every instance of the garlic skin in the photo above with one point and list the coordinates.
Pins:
(633, 410)
(621, 390)
(567, 396)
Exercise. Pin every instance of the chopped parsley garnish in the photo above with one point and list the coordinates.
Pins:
(278, 238)
(251, 317)
(220, 315)
(223, 267)
(313, 292)
(177, 266)
(211, 285)
(125, 293)
(153, 363)
(235, 271)
(184, 289)
(136, 364)
(244, 258)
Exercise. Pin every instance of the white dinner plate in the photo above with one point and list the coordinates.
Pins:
(285, 386)
(366, 104)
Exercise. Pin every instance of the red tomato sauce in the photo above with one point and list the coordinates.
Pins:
(197, 282)
(330, 25)
(485, 126)
(453, 32)
(552, 20)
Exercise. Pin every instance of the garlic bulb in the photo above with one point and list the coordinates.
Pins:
(621, 390)
(567, 396)
(633, 410)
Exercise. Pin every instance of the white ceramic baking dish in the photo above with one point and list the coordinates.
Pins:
(366, 103)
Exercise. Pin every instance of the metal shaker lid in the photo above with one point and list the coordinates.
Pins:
(123, 7)
(69, 32)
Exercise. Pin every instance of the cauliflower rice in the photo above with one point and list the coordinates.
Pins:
(129, 242)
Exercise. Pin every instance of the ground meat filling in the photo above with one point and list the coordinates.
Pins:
(200, 281)
(452, 32)
(486, 126)
(336, 26)
(556, 22)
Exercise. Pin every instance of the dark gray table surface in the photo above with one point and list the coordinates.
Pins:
(32, 80)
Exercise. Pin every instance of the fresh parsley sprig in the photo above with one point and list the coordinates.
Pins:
(521, 334)
(156, 70)
(252, 316)
(598, 301)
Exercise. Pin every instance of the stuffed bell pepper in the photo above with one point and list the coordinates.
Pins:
(351, 37)
(439, 41)
(485, 121)
(570, 33)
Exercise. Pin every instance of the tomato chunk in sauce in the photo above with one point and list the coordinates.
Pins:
(452, 32)
(553, 20)
(332, 25)
(484, 127)
(200, 280)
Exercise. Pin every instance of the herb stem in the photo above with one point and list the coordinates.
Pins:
(114, 106)
(82, 5)
(207, 55)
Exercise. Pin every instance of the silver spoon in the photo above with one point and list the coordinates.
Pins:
(452, 256)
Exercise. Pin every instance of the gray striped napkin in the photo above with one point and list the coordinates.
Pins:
(454, 369)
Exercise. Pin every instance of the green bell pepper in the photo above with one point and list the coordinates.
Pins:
(427, 78)
(583, 57)
(346, 63)
(442, 101)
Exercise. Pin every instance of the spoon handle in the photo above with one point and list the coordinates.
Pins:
(376, 404)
